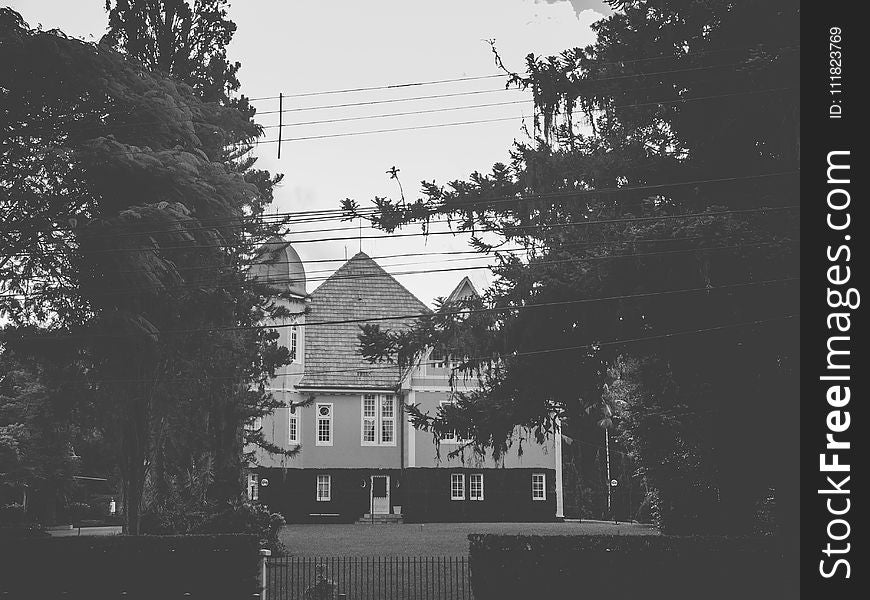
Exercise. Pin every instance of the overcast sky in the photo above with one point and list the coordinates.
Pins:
(295, 47)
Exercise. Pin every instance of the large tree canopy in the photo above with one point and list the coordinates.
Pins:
(174, 37)
(130, 215)
(655, 289)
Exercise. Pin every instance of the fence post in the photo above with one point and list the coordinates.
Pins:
(264, 556)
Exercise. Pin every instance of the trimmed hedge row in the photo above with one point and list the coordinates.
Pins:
(617, 567)
(203, 566)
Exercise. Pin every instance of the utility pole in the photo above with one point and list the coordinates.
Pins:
(607, 454)
(280, 120)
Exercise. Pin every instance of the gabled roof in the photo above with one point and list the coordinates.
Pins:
(360, 289)
(465, 289)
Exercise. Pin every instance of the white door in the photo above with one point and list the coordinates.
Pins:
(380, 494)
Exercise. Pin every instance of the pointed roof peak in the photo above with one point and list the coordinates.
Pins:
(358, 291)
(465, 289)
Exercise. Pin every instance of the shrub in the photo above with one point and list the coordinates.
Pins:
(250, 518)
(222, 566)
(12, 514)
(618, 567)
(77, 512)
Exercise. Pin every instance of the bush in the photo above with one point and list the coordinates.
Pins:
(250, 518)
(222, 566)
(619, 567)
(12, 514)
(77, 512)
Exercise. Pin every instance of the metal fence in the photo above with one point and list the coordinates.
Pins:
(368, 578)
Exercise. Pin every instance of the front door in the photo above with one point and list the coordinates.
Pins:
(380, 494)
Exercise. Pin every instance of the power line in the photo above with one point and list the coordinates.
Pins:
(255, 142)
(480, 230)
(400, 114)
(470, 204)
(624, 106)
(462, 312)
(586, 80)
(375, 368)
(478, 254)
(389, 101)
(381, 87)
(687, 55)
(335, 277)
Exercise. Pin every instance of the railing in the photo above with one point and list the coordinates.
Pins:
(368, 578)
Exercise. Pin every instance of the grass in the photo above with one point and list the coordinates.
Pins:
(429, 539)
(411, 562)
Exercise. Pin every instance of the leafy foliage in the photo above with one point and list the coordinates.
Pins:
(132, 217)
(654, 211)
(187, 42)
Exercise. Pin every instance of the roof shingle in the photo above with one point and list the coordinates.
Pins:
(360, 289)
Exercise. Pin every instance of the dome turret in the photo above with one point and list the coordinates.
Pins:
(278, 265)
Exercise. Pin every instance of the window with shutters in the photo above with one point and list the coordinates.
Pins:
(378, 420)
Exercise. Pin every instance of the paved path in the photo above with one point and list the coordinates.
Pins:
(429, 539)
(75, 531)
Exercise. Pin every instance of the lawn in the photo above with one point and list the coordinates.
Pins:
(429, 539)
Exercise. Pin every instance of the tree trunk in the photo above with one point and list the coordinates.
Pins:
(134, 447)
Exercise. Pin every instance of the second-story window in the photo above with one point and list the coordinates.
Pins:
(388, 419)
(378, 420)
(294, 337)
(293, 425)
(324, 424)
(370, 419)
(255, 424)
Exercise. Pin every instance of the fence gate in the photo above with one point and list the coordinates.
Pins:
(368, 578)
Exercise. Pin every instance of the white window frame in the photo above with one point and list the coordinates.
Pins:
(543, 479)
(471, 491)
(369, 419)
(327, 479)
(387, 400)
(294, 344)
(254, 424)
(293, 418)
(318, 419)
(457, 477)
(378, 420)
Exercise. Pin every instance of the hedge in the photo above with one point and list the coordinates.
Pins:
(617, 567)
(97, 567)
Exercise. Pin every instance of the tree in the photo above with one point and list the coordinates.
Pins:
(653, 209)
(130, 216)
(38, 430)
(183, 41)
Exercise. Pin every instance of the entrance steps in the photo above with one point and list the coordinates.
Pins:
(369, 518)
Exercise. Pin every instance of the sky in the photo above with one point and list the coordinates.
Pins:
(297, 47)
